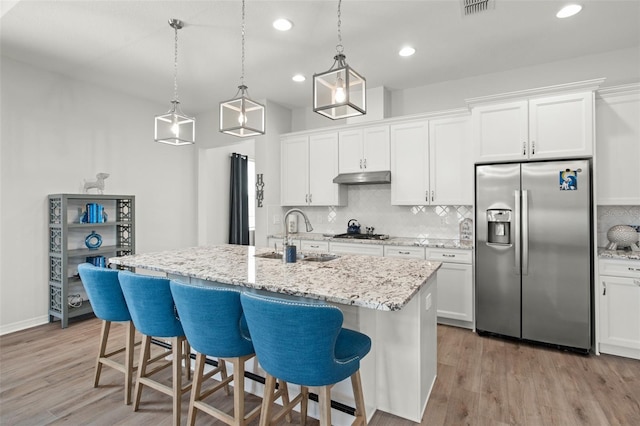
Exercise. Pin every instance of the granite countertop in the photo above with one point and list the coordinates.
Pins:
(381, 283)
(392, 241)
(603, 253)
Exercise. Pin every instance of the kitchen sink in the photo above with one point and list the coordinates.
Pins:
(270, 255)
(320, 257)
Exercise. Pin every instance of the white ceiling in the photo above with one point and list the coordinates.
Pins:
(128, 45)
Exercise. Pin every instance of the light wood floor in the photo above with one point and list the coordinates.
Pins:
(46, 379)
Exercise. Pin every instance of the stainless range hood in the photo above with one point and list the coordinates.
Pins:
(361, 178)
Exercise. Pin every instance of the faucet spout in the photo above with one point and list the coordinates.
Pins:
(307, 224)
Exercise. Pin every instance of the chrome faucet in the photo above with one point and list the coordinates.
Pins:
(285, 241)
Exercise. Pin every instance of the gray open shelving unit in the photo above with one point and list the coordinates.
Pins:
(67, 248)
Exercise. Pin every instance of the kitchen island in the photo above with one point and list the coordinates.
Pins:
(391, 300)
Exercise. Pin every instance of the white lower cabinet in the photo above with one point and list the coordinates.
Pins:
(404, 251)
(365, 249)
(308, 246)
(455, 286)
(619, 297)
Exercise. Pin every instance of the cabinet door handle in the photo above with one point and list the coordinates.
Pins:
(426, 196)
(524, 148)
(533, 147)
(306, 198)
(361, 163)
(365, 163)
(310, 198)
(604, 289)
(433, 195)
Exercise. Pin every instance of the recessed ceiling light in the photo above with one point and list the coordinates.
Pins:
(282, 24)
(568, 11)
(298, 78)
(407, 51)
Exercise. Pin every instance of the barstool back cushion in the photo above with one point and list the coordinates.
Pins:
(105, 295)
(212, 319)
(296, 340)
(150, 304)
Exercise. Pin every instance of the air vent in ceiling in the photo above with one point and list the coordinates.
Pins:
(471, 7)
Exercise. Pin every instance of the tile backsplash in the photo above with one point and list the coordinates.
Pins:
(609, 216)
(371, 205)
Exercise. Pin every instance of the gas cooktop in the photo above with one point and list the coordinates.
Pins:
(363, 236)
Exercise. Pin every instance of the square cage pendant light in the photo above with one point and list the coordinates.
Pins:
(339, 92)
(174, 127)
(242, 116)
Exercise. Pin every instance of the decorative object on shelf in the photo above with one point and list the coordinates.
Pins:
(99, 261)
(74, 300)
(259, 189)
(341, 91)
(466, 232)
(621, 236)
(94, 213)
(93, 240)
(242, 116)
(97, 184)
(174, 127)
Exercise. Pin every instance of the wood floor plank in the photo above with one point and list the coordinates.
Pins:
(46, 379)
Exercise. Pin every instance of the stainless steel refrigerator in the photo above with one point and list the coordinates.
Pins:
(534, 248)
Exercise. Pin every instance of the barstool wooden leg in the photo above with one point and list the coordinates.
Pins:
(238, 390)
(176, 366)
(324, 405)
(104, 337)
(361, 415)
(128, 363)
(303, 405)
(142, 369)
(196, 388)
(222, 365)
(267, 400)
(285, 399)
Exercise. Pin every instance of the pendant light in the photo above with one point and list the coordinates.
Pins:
(241, 116)
(174, 127)
(341, 91)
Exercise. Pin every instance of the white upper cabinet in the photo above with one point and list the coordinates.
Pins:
(364, 149)
(618, 146)
(501, 131)
(559, 126)
(451, 161)
(431, 162)
(309, 164)
(410, 163)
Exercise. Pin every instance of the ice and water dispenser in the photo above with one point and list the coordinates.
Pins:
(499, 226)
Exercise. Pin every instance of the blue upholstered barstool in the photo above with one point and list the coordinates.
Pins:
(107, 301)
(214, 324)
(303, 342)
(154, 315)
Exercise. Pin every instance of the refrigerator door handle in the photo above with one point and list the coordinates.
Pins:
(525, 232)
(516, 194)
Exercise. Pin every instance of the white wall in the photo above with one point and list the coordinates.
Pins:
(55, 132)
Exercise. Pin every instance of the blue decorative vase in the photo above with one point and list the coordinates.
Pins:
(93, 240)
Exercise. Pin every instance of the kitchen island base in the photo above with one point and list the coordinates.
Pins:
(399, 372)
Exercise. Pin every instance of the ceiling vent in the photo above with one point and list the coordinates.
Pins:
(471, 7)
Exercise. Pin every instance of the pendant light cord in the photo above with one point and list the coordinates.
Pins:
(339, 46)
(175, 65)
(242, 69)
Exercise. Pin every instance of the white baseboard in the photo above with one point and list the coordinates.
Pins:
(22, 325)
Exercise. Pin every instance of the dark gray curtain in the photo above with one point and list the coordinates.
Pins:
(239, 201)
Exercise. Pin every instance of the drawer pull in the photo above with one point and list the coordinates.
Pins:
(448, 255)
(404, 252)
(314, 246)
(636, 282)
(634, 269)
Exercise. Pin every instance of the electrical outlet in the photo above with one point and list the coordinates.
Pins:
(427, 302)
